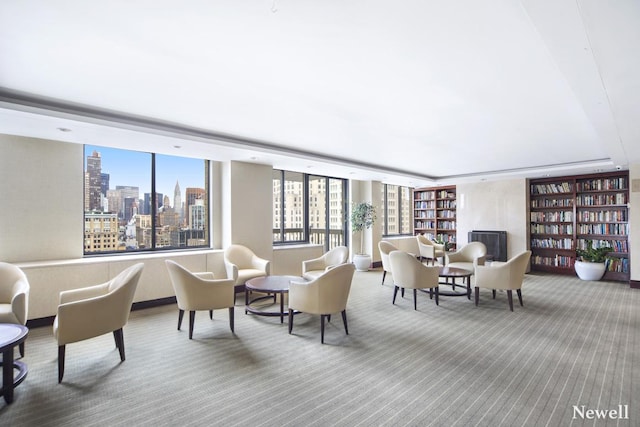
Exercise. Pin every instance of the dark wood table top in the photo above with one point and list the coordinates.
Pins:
(447, 271)
(272, 283)
(12, 335)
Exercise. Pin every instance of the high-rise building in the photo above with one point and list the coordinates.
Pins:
(93, 194)
(100, 232)
(104, 183)
(197, 215)
(177, 202)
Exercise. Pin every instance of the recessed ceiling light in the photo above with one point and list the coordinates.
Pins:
(253, 158)
(177, 146)
(64, 129)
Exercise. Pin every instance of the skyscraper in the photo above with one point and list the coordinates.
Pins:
(94, 180)
(177, 202)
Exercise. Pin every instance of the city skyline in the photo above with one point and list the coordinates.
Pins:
(133, 168)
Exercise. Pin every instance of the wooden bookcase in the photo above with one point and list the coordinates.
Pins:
(566, 212)
(434, 213)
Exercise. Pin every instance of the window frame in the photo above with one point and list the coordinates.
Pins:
(401, 225)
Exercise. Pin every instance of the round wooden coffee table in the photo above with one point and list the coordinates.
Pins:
(11, 336)
(271, 285)
(453, 273)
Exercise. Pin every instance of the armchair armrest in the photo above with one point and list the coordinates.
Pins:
(492, 276)
(71, 319)
(232, 270)
(18, 306)
(313, 264)
(207, 275)
(83, 293)
(454, 257)
(261, 264)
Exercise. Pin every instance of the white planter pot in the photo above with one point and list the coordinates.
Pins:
(589, 270)
(362, 262)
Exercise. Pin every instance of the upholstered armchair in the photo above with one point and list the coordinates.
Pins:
(242, 264)
(385, 249)
(503, 275)
(469, 257)
(14, 296)
(200, 291)
(429, 249)
(409, 273)
(96, 310)
(315, 267)
(325, 295)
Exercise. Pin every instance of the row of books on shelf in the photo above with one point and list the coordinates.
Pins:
(551, 229)
(425, 195)
(603, 216)
(447, 225)
(601, 199)
(620, 246)
(447, 214)
(553, 261)
(613, 229)
(552, 188)
(446, 204)
(552, 243)
(601, 184)
(618, 265)
(425, 214)
(551, 203)
(430, 225)
(560, 216)
(444, 194)
(425, 205)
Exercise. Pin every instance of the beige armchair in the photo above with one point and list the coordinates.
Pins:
(385, 249)
(96, 310)
(242, 264)
(14, 297)
(469, 257)
(429, 249)
(409, 273)
(503, 275)
(313, 268)
(325, 295)
(200, 291)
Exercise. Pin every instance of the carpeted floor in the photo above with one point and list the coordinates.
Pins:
(573, 343)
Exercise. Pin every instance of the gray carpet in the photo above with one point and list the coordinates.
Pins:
(573, 343)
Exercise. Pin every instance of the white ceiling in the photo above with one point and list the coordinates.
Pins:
(415, 92)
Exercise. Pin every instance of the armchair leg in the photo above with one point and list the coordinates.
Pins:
(437, 295)
(211, 314)
(510, 297)
(344, 320)
(415, 299)
(61, 349)
(192, 319)
(519, 292)
(402, 292)
(384, 274)
(119, 337)
(180, 315)
(322, 316)
(231, 317)
(430, 293)
(395, 292)
(476, 293)
(290, 320)
(21, 346)
(493, 292)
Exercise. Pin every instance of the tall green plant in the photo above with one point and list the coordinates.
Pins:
(591, 254)
(363, 216)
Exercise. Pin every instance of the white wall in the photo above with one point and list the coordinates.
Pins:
(494, 205)
(41, 189)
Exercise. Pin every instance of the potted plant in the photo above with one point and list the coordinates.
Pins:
(363, 216)
(591, 262)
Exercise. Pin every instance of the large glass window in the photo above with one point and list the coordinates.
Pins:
(396, 215)
(136, 201)
(309, 209)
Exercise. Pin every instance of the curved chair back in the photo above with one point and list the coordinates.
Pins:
(196, 293)
(327, 294)
(336, 256)
(410, 273)
(385, 249)
(14, 293)
(239, 255)
(473, 250)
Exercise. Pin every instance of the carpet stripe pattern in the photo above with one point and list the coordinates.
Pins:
(574, 343)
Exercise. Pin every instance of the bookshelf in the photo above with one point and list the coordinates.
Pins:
(434, 213)
(566, 212)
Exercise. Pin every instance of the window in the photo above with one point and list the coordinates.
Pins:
(309, 209)
(396, 215)
(136, 201)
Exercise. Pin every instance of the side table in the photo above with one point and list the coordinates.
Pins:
(11, 335)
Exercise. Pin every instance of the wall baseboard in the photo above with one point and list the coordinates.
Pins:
(635, 284)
